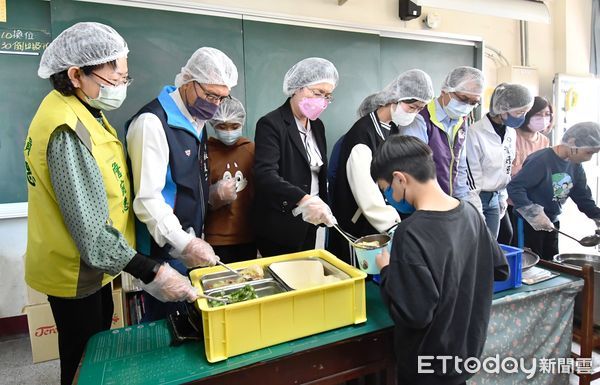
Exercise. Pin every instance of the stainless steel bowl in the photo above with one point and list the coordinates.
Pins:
(579, 260)
(530, 259)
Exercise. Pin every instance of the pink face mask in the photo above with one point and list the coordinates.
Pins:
(313, 107)
(538, 123)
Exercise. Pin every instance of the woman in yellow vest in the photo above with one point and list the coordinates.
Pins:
(80, 229)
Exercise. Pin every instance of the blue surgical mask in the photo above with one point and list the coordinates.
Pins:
(402, 206)
(512, 121)
(228, 137)
(456, 109)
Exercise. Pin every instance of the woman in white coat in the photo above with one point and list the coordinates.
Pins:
(490, 149)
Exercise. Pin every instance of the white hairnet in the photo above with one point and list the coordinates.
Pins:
(208, 66)
(509, 97)
(466, 80)
(307, 72)
(412, 84)
(585, 134)
(230, 111)
(368, 105)
(81, 45)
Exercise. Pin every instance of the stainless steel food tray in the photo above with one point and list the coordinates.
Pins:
(263, 288)
(209, 280)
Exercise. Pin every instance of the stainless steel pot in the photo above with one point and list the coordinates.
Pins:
(581, 260)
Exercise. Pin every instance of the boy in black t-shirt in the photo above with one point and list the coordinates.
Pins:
(438, 281)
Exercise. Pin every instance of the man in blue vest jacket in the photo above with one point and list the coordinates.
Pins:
(166, 142)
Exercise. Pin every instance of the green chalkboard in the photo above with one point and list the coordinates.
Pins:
(161, 41)
(271, 49)
(437, 59)
(27, 21)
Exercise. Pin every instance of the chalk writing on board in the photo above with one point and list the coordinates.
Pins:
(22, 41)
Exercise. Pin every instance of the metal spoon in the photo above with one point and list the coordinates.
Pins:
(589, 241)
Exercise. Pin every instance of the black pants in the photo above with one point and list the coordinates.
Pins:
(543, 243)
(236, 253)
(505, 235)
(268, 248)
(76, 321)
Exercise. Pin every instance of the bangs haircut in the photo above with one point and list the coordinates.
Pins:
(406, 154)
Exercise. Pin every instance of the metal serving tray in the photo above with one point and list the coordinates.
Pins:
(209, 280)
(263, 288)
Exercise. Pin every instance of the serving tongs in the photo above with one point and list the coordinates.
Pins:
(349, 237)
(230, 269)
(245, 278)
(225, 299)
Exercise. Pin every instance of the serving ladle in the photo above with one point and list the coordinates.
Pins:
(589, 241)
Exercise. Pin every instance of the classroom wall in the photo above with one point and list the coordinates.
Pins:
(500, 33)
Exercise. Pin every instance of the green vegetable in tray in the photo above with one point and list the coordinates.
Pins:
(240, 295)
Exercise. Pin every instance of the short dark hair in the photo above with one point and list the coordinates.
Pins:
(539, 103)
(405, 154)
(410, 101)
(61, 82)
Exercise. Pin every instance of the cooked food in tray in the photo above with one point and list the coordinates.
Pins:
(242, 294)
(251, 273)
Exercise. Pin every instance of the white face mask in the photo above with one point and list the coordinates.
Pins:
(457, 109)
(228, 137)
(401, 117)
(109, 98)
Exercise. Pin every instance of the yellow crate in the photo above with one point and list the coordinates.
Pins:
(246, 326)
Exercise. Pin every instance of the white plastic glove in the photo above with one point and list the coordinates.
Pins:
(535, 216)
(315, 211)
(170, 286)
(222, 193)
(198, 253)
(503, 204)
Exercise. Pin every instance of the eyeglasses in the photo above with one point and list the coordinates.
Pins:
(215, 99)
(127, 81)
(465, 99)
(321, 94)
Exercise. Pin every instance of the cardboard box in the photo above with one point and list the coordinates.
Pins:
(34, 297)
(42, 328)
(42, 332)
(117, 319)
